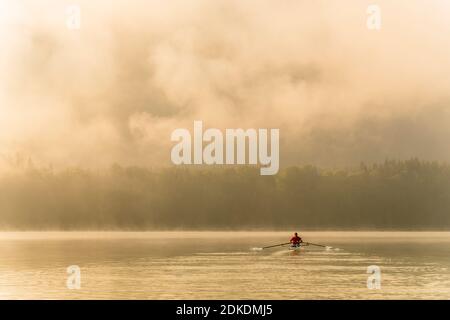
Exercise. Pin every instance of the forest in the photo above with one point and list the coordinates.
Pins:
(394, 195)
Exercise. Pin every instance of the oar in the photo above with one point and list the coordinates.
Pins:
(276, 245)
(317, 245)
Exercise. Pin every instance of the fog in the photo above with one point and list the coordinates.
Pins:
(86, 114)
(114, 90)
(393, 195)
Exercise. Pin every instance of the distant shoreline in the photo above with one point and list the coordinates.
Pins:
(222, 230)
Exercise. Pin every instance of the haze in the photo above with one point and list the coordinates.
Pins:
(112, 91)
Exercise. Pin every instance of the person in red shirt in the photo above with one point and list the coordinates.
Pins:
(296, 240)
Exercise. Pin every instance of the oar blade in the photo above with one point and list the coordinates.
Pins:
(320, 245)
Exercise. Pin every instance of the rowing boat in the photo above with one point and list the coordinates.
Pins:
(297, 247)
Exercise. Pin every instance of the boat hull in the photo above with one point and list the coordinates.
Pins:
(296, 248)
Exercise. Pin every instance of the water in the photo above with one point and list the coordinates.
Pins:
(222, 265)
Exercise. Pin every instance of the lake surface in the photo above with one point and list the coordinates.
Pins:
(223, 265)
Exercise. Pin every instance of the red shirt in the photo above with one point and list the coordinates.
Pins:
(296, 239)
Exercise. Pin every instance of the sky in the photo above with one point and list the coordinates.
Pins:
(113, 90)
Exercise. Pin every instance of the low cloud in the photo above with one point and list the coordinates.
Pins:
(115, 89)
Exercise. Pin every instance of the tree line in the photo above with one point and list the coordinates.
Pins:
(399, 195)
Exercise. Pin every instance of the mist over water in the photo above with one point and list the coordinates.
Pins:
(220, 265)
(86, 179)
(394, 195)
(86, 114)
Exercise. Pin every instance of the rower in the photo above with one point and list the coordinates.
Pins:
(296, 240)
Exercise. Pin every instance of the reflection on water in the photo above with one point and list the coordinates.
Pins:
(222, 265)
